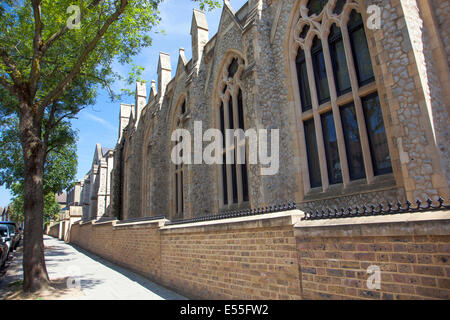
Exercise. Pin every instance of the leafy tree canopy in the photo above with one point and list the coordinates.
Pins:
(59, 169)
(53, 57)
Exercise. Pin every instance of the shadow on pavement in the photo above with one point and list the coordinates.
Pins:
(144, 282)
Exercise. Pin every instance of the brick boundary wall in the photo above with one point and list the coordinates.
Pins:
(53, 231)
(278, 256)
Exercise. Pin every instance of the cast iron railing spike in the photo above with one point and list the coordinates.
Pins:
(408, 205)
(441, 202)
(430, 203)
(350, 212)
(418, 204)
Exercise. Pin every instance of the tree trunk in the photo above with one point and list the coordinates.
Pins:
(34, 269)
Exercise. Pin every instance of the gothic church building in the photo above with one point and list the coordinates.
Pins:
(362, 109)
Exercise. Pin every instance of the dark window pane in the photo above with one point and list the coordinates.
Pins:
(331, 149)
(183, 108)
(244, 181)
(243, 166)
(381, 158)
(352, 142)
(224, 181)
(320, 72)
(176, 192)
(224, 168)
(302, 75)
(234, 181)
(230, 114)
(241, 111)
(360, 49)
(316, 6)
(304, 32)
(233, 68)
(339, 6)
(313, 157)
(339, 61)
(181, 193)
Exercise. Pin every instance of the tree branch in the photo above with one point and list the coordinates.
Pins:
(49, 124)
(82, 58)
(57, 35)
(37, 43)
(8, 86)
(14, 72)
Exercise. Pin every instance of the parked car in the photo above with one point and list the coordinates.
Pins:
(13, 233)
(5, 242)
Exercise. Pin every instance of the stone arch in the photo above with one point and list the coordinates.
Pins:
(147, 172)
(229, 94)
(296, 38)
(178, 173)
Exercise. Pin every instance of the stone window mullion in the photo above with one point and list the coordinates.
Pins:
(358, 105)
(227, 165)
(336, 114)
(317, 121)
(237, 166)
(298, 112)
(223, 185)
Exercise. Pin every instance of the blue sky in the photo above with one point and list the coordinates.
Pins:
(99, 123)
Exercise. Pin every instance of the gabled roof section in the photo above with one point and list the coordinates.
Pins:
(153, 92)
(98, 155)
(182, 62)
(228, 10)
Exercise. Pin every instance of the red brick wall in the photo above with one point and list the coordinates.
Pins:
(412, 267)
(279, 257)
(135, 247)
(232, 264)
(54, 231)
(248, 260)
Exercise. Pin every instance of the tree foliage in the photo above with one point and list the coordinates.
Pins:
(61, 162)
(50, 68)
(59, 170)
(51, 209)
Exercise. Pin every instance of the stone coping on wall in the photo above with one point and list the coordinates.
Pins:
(104, 222)
(133, 224)
(285, 218)
(420, 223)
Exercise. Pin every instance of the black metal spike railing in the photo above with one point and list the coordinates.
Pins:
(238, 213)
(366, 211)
(330, 213)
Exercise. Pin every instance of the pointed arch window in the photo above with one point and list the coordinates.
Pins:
(344, 134)
(147, 174)
(179, 169)
(233, 176)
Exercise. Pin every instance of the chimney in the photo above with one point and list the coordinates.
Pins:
(199, 35)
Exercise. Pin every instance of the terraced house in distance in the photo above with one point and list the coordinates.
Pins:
(359, 91)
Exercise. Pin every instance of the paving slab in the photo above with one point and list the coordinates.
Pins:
(99, 279)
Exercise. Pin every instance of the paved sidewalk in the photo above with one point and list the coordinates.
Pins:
(100, 279)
